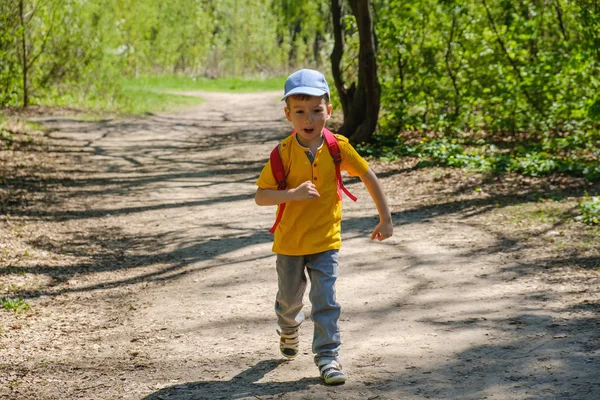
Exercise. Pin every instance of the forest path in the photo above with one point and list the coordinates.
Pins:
(168, 282)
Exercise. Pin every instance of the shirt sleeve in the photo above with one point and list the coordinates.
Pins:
(266, 180)
(352, 162)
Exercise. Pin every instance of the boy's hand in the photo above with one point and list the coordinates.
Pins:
(306, 191)
(382, 231)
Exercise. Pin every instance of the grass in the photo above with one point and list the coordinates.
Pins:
(17, 305)
(138, 101)
(15, 271)
(151, 94)
(183, 83)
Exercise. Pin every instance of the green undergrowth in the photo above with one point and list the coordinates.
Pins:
(589, 210)
(575, 155)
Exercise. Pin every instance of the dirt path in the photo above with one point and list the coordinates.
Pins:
(153, 279)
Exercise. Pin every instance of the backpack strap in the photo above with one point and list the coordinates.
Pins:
(280, 177)
(277, 168)
(336, 154)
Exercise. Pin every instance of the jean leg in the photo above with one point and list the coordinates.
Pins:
(323, 271)
(292, 284)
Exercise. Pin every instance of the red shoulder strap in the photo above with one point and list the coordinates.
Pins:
(277, 168)
(336, 154)
(279, 175)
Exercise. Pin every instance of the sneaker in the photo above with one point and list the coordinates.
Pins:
(331, 372)
(288, 344)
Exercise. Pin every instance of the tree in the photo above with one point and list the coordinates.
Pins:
(29, 54)
(361, 99)
(9, 65)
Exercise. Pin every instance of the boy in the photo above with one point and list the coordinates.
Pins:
(308, 236)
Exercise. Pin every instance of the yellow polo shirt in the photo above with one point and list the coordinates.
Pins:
(311, 226)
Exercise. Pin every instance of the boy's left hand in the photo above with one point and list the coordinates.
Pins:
(382, 231)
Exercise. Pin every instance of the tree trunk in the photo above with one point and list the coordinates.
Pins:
(24, 60)
(337, 55)
(360, 101)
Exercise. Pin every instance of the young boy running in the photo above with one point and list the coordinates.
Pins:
(308, 236)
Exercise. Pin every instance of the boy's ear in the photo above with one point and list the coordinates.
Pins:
(329, 110)
(287, 114)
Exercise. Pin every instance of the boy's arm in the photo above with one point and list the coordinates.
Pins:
(384, 229)
(270, 197)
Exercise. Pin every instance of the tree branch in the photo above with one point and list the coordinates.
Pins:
(512, 62)
(448, 66)
(338, 52)
(560, 20)
(46, 37)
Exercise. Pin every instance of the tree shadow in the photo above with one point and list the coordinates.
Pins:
(119, 175)
(134, 167)
(547, 359)
(107, 252)
(244, 384)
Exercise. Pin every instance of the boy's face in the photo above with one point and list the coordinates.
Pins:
(308, 115)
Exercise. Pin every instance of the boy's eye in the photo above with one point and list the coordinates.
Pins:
(318, 110)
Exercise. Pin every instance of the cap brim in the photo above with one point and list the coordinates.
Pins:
(305, 90)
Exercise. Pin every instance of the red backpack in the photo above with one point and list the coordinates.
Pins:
(280, 175)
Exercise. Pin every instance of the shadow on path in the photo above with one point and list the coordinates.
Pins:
(243, 385)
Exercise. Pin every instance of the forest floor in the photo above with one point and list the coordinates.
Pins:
(148, 271)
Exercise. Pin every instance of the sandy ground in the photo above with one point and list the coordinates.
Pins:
(152, 278)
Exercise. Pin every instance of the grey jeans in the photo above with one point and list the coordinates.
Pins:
(322, 269)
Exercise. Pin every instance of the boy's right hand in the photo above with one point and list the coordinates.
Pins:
(305, 191)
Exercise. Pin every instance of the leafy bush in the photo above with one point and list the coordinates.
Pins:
(590, 210)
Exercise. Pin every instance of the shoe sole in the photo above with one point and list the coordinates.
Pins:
(337, 380)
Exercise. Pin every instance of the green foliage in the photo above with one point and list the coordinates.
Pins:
(17, 305)
(488, 85)
(491, 86)
(456, 66)
(302, 31)
(79, 51)
(590, 210)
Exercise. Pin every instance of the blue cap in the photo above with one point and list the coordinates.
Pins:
(306, 81)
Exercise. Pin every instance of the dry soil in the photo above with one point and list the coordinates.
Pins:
(149, 273)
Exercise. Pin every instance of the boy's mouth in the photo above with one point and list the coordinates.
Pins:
(309, 130)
